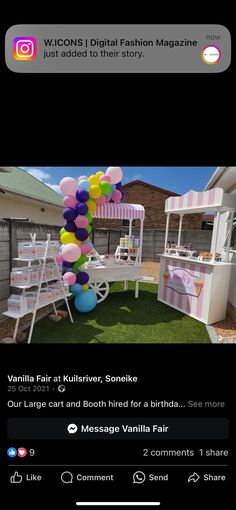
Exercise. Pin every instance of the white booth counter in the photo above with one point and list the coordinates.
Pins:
(196, 287)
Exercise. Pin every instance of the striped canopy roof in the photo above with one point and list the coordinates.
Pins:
(194, 202)
(120, 211)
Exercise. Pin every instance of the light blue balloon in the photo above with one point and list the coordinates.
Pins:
(113, 187)
(86, 301)
(76, 289)
(84, 185)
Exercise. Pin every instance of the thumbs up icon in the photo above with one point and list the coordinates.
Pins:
(16, 478)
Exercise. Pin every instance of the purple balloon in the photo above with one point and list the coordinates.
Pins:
(67, 264)
(118, 185)
(81, 209)
(81, 234)
(82, 196)
(69, 214)
(70, 226)
(82, 278)
(123, 194)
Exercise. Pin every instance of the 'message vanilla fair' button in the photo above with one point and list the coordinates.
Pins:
(124, 429)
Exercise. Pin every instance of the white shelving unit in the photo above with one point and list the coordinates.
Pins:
(42, 262)
(123, 251)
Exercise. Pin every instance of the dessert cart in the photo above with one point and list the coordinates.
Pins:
(126, 264)
(198, 284)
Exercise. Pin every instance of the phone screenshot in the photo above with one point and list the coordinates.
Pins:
(117, 265)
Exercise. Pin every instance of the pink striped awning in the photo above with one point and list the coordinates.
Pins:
(120, 211)
(193, 201)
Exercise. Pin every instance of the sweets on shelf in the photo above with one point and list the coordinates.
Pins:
(17, 303)
(207, 256)
(36, 249)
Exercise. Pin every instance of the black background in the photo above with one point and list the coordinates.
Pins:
(120, 119)
(125, 119)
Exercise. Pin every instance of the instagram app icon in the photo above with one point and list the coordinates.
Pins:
(24, 48)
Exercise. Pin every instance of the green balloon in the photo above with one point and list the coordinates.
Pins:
(89, 216)
(80, 261)
(82, 258)
(89, 228)
(62, 231)
(105, 187)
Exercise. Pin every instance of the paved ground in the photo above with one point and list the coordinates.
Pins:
(151, 269)
(226, 331)
(7, 326)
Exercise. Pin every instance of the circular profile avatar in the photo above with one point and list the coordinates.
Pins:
(211, 54)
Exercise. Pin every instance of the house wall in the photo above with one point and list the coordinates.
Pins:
(153, 201)
(15, 206)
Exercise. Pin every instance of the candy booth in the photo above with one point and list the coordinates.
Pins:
(197, 283)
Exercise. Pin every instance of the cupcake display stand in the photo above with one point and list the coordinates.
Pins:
(126, 264)
(198, 285)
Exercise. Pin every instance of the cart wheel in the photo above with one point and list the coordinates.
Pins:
(101, 289)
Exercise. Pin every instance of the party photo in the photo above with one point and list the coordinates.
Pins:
(131, 255)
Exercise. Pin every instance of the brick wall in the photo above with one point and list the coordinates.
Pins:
(153, 199)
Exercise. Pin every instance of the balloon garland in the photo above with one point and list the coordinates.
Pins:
(80, 203)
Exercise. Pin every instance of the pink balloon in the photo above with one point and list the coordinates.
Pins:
(105, 178)
(69, 201)
(85, 248)
(69, 278)
(59, 259)
(71, 252)
(81, 221)
(101, 200)
(68, 186)
(82, 177)
(115, 173)
(116, 195)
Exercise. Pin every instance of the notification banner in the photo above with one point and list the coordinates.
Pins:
(118, 48)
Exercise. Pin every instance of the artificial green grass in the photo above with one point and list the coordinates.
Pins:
(123, 319)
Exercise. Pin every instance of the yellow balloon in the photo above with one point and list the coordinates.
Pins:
(95, 191)
(94, 180)
(91, 206)
(99, 174)
(69, 237)
(85, 287)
